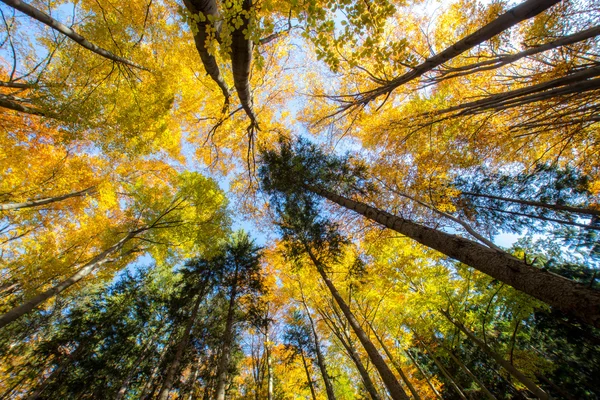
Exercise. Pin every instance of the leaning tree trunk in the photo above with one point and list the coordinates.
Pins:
(34, 302)
(207, 8)
(433, 389)
(443, 370)
(227, 341)
(143, 354)
(241, 60)
(472, 375)
(308, 377)
(387, 376)
(57, 371)
(528, 383)
(354, 356)
(320, 358)
(569, 296)
(181, 347)
(523, 11)
(48, 200)
(556, 207)
(65, 30)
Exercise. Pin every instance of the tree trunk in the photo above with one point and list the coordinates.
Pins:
(387, 376)
(308, 377)
(192, 380)
(571, 297)
(181, 346)
(523, 11)
(529, 384)
(34, 302)
(320, 358)
(241, 60)
(65, 30)
(354, 356)
(395, 364)
(439, 396)
(556, 207)
(468, 371)
(148, 386)
(508, 59)
(207, 7)
(443, 370)
(227, 341)
(49, 200)
(269, 365)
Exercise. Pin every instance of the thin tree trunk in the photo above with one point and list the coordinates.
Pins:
(34, 302)
(569, 296)
(181, 346)
(354, 356)
(308, 377)
(65, 30)
(148, 386)
(554, 386)
(320, 358)
(447, 374)
(468, 371)
(387, 376)
(49, 200)
(529, 384)
(498, 62)
(192, 380)
(269, 365)
(12, 105)
(207, 8)
(439, 396)
(523, 11)
(241, 59)
(227, 341)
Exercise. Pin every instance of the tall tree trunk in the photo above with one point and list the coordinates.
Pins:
(354, 356)
(569, 296)
(468, 371)
(192, 380)
(308, 377)
(387, 376)
(556, 207)
(227, 341)
(241, 60)
(173, 369)
(443, 370)
(207, 8)
(34, 302)
(49, 200)
(529, 384)
(438, 395)
(65, 30)
(320, 358)
(269, 365)
(145, 395)
(523, 11)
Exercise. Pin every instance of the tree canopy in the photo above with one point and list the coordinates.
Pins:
(257, 199)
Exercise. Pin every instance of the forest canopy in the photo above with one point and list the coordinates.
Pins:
(257, 199)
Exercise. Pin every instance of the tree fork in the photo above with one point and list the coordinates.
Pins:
(569, 296)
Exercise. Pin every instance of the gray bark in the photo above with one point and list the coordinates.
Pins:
(65, 30)
(569, 296)
(308, 377)
(48, 200)
(227, 342)
(438, 395)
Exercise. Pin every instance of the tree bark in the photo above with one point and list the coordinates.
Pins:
(57, 371)
(523, 11)
(48, 200)
(439, 396)
(320, 358)
(207, 8)
(556, 207)
(34, 302)
(387, 376)
(227, 341)
(125, 385)
(571, 297)
(241, 60)
(181, 346)
(468, 371)
(308, 377)
(354, 356)
(65, 30)
(529, 384)
(269, 365)
(148, 386)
